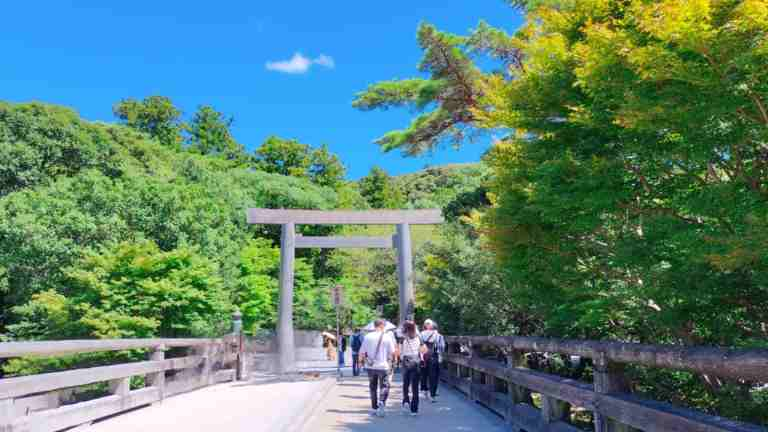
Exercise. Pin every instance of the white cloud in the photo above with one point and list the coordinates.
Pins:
(324, 60)
(298, 64)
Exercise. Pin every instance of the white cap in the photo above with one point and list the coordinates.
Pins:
(429, 322)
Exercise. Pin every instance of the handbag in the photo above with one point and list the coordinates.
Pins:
(370, 362)
(410, 362)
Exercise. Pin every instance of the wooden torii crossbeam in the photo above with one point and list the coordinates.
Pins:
(289, 242)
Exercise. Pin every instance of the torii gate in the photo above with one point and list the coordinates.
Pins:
(289, 241)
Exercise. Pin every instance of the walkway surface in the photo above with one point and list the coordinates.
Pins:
(316, 405)
(347, 406)
(263, 405)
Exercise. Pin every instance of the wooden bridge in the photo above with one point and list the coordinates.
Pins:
(202, 384)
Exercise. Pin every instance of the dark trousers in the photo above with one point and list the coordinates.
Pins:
(355, 364)
(379, 386)
(430, 374)
(411, 383)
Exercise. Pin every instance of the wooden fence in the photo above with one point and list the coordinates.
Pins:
(37, 403)
(507, 389)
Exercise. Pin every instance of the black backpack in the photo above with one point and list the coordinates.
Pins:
(431, 344)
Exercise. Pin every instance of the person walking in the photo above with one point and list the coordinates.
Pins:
(356, 342)
(342, 350)
(430, 371)
(392, 333)
(411, 355)
(376, 353)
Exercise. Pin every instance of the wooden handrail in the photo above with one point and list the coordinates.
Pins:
(12, 387)
(57, 348)
(745, 364)
(608, 397)
(205, 365)
(623, 408)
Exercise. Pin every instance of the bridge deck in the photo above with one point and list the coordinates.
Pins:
(347, 405)
(317, 406)
(255, 406)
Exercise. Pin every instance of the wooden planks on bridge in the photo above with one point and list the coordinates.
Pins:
(346, 409)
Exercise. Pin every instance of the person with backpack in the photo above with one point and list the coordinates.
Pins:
(342, 350)
(430, 371)
(411, 356)
(356, 342)
(377, 353)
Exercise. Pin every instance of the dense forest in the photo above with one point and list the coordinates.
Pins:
(625, 197)
(629, 192)
(138, 229)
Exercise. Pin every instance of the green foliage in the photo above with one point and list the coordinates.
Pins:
(625, 207)
(127, 189)
(40, 143)
(129, 290)
(445, 98)
(292, 158)
(380, 191)
(325, 168)
(283, 156)
(630, 200)
(436, 187)
(463, 290)
(257, 292)
(155, 116)
(257, 288)
(413, 93)
(208, 133)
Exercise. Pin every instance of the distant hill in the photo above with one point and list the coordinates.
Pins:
(435, 187)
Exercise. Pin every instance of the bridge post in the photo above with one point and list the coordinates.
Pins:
(405, 272)
(237, 331)
(518, 394)
(6, 413)
(286, 350)
(609, 378)
(554, 410)
(120, 387)
(157, 379)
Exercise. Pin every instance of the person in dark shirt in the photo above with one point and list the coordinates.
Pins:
(357, 342)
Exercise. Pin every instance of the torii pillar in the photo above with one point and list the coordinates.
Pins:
(289, 242)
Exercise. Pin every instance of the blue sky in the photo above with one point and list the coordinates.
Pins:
(241, 57)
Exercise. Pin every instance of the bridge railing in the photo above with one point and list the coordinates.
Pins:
(34, 402)
(507, 388)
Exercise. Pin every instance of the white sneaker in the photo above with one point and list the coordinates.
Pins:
(433, 399)
(414, 414)
(405, 407)
(380, 411)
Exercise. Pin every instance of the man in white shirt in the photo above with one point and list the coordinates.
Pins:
(377, 352)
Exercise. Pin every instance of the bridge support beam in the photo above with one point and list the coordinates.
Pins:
(518, 394)
(610, 378)
(286, 349)
(405, 272)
